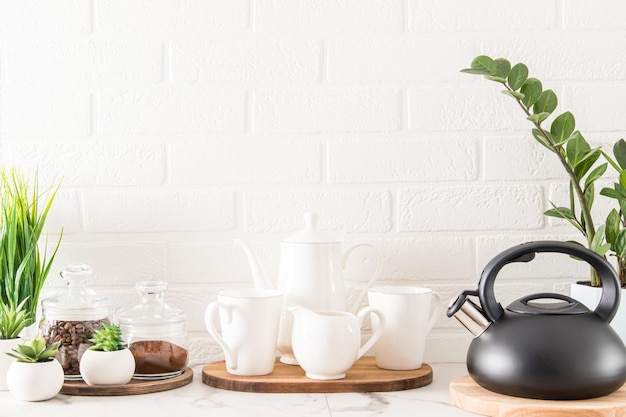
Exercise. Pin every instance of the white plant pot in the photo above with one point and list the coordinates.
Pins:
(590, 297)
(6, 345)
(107, 368)
(35, 381)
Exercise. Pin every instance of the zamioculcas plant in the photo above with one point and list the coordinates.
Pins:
(23, 266)
(576, 156)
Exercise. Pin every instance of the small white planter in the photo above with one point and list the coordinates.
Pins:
(590, 297)
(6, 345)
(35, 381)
(107, 368)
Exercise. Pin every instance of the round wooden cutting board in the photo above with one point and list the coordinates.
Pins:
(469, 396)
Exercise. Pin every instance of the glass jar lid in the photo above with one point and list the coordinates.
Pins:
(77, 301)
(152, 317)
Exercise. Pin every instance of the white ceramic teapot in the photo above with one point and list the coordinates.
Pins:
(327, 343)
(310, 275)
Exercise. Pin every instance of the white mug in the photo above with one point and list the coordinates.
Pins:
(249, 321)
(407, 322)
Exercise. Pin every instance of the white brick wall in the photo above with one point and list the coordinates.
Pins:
(180, 125)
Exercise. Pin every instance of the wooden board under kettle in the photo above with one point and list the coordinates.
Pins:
(469, 396)
(364, 376)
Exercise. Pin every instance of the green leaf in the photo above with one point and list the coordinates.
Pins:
(564, 213)
(609, 192)
(482, 64)
(503, 67)
(595, 174)
(515, 94)
(517, 77)
(576, 148)
(561, 213)
(619, 247)
(538, 118)
(619, 150)
(541, 139)
(602, 249)
(531, 90)
(26, 350)
(562, 127)
(590, 194)
(597, 243)
(612, 227)
(622, 178)
(495, 78)
(546, 102)
(585, 164)
(618, 192)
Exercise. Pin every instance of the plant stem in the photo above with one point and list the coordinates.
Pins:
(589, 229)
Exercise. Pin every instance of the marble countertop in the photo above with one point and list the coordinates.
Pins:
(198, 399)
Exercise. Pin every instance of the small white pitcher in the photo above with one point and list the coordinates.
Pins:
(327, 343)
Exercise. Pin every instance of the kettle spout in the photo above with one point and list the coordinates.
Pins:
(259, 276)
(469, 314)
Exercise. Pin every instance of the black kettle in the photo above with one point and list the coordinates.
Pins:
(545, 346)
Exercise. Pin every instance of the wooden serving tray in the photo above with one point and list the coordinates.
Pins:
(364, 376)
(469, 396)
(134, 387)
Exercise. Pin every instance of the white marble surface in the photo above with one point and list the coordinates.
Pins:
(198, 399)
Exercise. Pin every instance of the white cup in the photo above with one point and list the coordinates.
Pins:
(408, 319)
(249, 321)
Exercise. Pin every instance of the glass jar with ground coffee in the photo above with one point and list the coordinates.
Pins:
(155, 333)
(72, 316)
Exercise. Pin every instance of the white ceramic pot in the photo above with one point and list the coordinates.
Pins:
(107, 368)
(35, 381)
(590, 296)
(6, 345)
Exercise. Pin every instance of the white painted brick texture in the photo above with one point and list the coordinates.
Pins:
(176, 126)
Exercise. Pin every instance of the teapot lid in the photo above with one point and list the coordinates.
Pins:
(310, 233)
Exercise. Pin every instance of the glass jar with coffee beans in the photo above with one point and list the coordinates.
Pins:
(72, 316)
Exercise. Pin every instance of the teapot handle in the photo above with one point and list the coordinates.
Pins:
(609, 300)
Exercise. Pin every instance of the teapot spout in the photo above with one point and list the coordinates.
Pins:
(259, 276)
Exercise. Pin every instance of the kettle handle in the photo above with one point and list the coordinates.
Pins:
(609, 300)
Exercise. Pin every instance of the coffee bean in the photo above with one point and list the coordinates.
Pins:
(74, 337)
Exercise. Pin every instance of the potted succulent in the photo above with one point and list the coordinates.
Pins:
(23, 265)
(12, 320)
(35, 375)
(108, 361)
(583, 164)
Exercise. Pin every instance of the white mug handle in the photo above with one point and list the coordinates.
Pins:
(209, 320)
(379, 332)
(436, 311)
(378, 269)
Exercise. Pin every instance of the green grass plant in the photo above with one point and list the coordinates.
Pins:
(23, 265)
